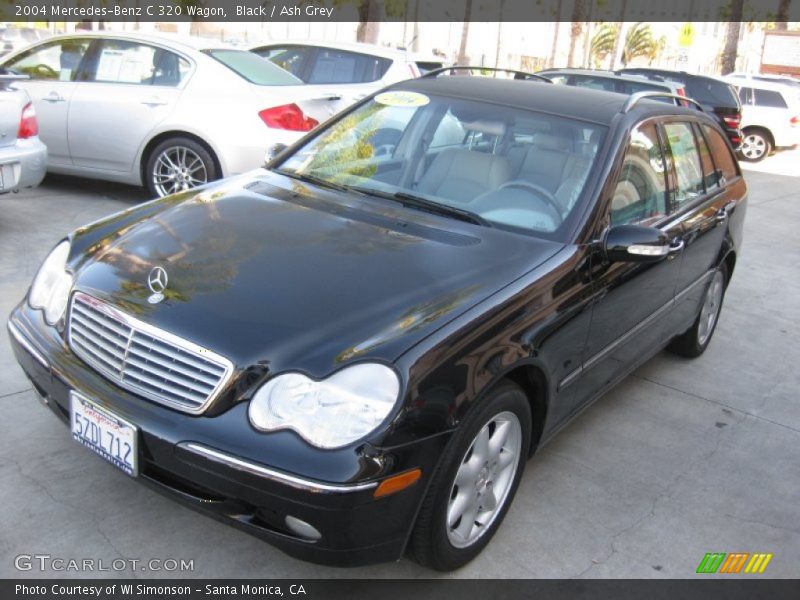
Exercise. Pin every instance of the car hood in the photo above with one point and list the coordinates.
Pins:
(267, 270)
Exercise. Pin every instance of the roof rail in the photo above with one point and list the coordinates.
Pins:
(517, 74)
(635, 97)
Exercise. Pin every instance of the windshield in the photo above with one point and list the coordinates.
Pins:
(499, 166)
(253, 68)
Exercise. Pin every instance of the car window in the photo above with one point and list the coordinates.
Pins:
(52, 61)
(562, 79)
(722, 154)
(253, 68)
(769, 99)
(746, 95)
(686, 162)
(595, 83)
(518, 169)
(709, 172)
(710, 91)
(339, 66)
(640, 194)
(124, 61)
(288, 58)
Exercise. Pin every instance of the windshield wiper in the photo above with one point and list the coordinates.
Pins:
(430, 206)
(306, 178)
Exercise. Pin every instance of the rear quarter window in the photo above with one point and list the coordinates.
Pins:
(253, 68)
(721, 153)
(340, 66)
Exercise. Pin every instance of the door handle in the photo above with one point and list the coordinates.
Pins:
(676, 247)
(53, 97)
(724, 212)
(154, 102)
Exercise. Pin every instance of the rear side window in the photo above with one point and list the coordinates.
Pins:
(339, 66)
(288, 58)
(53, 61)
(686, 161)
(253, 68)
(746, 95)
(769, 99)
(709, 172)
(595, 83)
(640, 194)
(721, 153)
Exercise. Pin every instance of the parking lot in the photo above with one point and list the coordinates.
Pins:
(684, 458)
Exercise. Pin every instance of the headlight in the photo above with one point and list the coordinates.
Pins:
(50, 289)
(330, 413)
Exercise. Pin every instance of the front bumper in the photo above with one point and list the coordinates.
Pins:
(223, 482)
(22, 165)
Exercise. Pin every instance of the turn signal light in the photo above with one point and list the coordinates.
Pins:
(287, 116)
(397, 483)
(28, 125)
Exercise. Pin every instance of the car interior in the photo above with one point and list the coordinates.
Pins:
(521, 169)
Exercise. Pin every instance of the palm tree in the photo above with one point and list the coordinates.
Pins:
(463, 59)
(783, 14)
(602, 43)
(639, 41)
(578, 17)
(618, 43)
(731, 51)
(557, 23)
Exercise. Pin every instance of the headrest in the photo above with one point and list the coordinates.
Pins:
(487, 127)
(548, 141)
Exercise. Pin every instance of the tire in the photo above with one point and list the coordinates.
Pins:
(178, 164)
(440, 540)
(694, 341)
(756, 145)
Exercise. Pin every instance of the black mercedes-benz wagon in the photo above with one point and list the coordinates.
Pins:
(353, 351)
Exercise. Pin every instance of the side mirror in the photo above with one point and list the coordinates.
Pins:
(635, 243)
(272, 152)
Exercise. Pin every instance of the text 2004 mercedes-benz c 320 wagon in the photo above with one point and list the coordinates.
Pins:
(353, 352)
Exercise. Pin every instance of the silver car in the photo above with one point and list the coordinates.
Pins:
(23, 157)
(166, 112)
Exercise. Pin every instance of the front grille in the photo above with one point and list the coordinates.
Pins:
(143, 359)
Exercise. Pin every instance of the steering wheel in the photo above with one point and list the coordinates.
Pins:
(45, 71)
(539, 191)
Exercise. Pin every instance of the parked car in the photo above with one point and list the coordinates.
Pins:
(770, 117)
(716, 96)
(350, 71)
(165, 112)
(611, 82)
(783, 79)
(351, 353)
(23, 157)
(15, 38)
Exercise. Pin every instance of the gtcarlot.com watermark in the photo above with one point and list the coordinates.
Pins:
(48, 562)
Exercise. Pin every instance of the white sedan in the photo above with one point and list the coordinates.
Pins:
(165, 112)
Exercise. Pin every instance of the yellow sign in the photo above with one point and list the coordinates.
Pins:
(402, 99)
(686, 38)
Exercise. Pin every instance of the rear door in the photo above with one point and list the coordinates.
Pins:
(705, 188)
(53, 68)
(127, 89)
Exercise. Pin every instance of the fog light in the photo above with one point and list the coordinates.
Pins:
(302, 529)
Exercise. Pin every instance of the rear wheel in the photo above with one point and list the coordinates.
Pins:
(178, 164)
(756, 145)
(475, 482)
(693, 342)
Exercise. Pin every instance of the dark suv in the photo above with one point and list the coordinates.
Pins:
(716, 96)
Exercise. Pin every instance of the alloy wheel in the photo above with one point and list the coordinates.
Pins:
(484, 479)
(176, 169)
(753, 146)
(711, 307)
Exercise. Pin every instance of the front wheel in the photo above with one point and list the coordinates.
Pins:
(693, 342)
(475, 482)
(178, 164)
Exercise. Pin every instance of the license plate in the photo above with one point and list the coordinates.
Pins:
(105, 433)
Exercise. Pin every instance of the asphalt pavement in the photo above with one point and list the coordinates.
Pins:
(683, 458)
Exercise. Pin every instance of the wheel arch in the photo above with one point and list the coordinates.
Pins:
(171, 133)
(770, 137)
